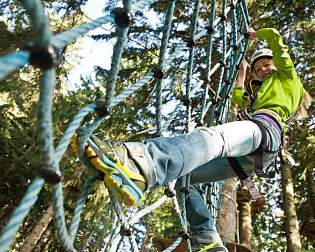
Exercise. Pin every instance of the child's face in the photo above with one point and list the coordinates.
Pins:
(263, 68)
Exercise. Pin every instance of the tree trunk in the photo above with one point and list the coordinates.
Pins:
(311, 189)
(290, 220)
(37, 232)
(227, 217)
(245, 217)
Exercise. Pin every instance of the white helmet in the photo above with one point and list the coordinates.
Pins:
(260, 53)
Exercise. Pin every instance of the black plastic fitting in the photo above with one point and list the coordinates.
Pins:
(222, 17)
(184, 235)
(246, 34)
(51, 176)
(191, 42)
(44, 58)
(184, 190)
(126, 231)
(102, 109)
(235, 47)
(122, 18)
(169, 193)
(186, 101)
(210, 30)
(232, 6)
(158, 73)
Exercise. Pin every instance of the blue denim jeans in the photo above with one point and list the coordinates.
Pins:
(203, 153)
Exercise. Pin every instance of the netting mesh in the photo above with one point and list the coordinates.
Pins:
(226, 43)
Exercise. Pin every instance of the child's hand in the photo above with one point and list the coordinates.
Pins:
(244, 65)
(252, 33)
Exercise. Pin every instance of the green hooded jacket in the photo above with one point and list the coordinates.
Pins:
(280, 94)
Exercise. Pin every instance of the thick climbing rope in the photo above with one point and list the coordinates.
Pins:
(42, 54)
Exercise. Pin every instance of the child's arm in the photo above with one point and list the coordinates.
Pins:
(238, 90)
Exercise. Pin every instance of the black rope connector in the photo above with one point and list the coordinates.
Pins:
(158, 73)
(126, 231)
(200, 191)
(51, 176)
(185, 190)
(169, 193)
(214, 102)
(191, 42)
(184, 235)
(235, 47)
(186, 101)
(232, 6)
(222, 63)
(222, 17)
(102, 109)
(122, 18)
(199, 123)
(210, 30)
(43, 57)
(246, 34)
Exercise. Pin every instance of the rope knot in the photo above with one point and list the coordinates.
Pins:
(210, 29)
(122, 18)
(186, 101)
(199, 123)
(169, 193)
(51, 176)
(190, 42)
(232, 6)
(185, 190)
(246, 34)
(222, 17)
(43, 57)
(222, 63)
(126, 231)
(102, 109)
(184, 235)
(158, 73)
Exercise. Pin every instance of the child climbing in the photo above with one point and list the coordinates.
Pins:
(132, 168)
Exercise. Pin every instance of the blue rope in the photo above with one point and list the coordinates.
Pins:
(118, 50)
(39, 19)
(79, 207)
(208, 62)
(20, 213)
(164, 42)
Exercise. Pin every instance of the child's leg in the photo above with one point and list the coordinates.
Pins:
(200, 220)
(131, 167)
(176, 156)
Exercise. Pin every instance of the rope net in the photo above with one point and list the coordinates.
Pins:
(226, 43)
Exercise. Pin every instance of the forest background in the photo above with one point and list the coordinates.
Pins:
(20, 155)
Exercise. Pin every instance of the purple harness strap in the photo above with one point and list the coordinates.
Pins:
(270, 119)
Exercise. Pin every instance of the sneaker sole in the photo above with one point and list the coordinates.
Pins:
(124, 189)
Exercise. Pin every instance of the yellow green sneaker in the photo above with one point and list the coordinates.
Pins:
(121, 174)
(210, 247)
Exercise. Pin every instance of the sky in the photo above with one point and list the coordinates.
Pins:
(92, 52)
(96, 53)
